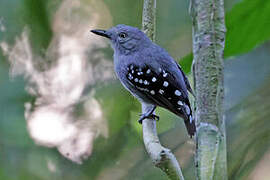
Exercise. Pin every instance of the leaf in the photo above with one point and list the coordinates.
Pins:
(248, 25)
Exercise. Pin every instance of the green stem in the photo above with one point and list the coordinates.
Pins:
(208, 47)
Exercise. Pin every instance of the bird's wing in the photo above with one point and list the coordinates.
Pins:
(161, 88)
(186, 81)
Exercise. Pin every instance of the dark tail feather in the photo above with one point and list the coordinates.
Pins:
(190, 125)
(189, 121)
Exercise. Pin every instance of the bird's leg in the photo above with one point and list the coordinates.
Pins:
(149, 114)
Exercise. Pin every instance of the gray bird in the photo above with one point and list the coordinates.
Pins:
(149, 73)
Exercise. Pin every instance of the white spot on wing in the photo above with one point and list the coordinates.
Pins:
(146, 82)
(130, 76)
(177, 93)
(154, 79)
(136, 80)
(148, 71)
(161, 91)
(180, 103)
(190, 119)
(152, 92)
(165, 74)
(159, 69)
(187, 109)
(140, 81)
(165, 84)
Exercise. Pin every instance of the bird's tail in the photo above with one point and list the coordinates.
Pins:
(186, 114)
(190, 125)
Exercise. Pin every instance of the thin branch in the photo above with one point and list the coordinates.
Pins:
(162, 157)
(149, 18)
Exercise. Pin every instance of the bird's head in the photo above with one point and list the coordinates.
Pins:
(124, 39)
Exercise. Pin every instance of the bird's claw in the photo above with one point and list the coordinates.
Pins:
(145, 116)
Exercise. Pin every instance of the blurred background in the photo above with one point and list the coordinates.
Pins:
(64, 115)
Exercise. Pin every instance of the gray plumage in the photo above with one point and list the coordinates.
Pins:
(149, 73)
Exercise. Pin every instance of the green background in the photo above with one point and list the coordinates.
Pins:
(121, 154)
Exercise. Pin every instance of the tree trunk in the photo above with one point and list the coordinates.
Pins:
(208, 46)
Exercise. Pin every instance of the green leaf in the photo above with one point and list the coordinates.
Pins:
(186, 63)
(247, 24)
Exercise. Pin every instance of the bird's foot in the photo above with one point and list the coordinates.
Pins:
(146, 116)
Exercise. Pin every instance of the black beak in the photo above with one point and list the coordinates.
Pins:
(100, 32)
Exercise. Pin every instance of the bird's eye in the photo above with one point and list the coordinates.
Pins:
(122, 35)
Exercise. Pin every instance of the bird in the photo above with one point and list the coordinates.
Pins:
(149, 73)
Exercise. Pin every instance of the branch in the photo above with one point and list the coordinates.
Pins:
(149, 18)
(162, 157)
(208, 47)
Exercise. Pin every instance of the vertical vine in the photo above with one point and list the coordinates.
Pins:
(208, 70)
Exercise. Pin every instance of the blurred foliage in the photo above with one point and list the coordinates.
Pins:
(250, 141)
(118, 105)
(247, 26)
(35, 14)
(122, 154)
(123, 14)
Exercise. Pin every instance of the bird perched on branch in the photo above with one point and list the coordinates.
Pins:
(149, 73)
